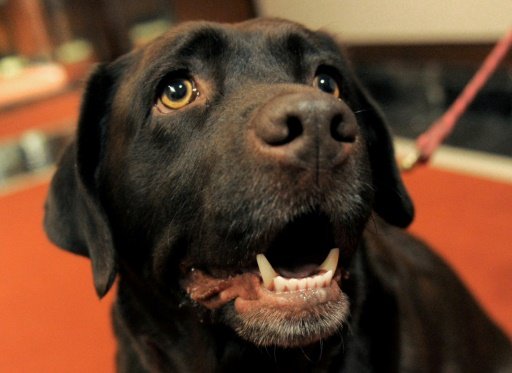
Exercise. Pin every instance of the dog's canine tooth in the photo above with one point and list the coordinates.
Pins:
(267, 272)
(331, 262)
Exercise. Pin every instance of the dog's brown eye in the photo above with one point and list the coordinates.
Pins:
(178, 93)
(327, 84)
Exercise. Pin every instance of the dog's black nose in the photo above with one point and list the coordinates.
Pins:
(305, 129)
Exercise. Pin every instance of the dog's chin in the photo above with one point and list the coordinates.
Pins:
(267, 317)
(302, 319)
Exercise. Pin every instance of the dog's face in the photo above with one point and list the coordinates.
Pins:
(222, 165)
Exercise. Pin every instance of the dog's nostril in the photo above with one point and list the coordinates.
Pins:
(295, 128)
(282, 132)
(339, 130)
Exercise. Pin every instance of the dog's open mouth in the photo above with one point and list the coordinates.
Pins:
(267, 287)
(293, 301)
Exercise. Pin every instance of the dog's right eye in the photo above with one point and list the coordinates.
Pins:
(178, 93)
(327, 84)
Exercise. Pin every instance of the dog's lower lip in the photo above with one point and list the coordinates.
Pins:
(248, 291)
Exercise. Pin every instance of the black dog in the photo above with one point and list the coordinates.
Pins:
(216, 150)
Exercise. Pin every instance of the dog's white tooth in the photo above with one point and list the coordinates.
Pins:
(293, 284)
(267, 272)
(321, 278)
(328, 277)
(303, 283)
(279, 284)
(314, 282)
(331, 262)
(310, 282)
(320, 281)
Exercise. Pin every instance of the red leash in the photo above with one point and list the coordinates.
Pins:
(431, 139)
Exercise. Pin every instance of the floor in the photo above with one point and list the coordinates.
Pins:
(52, 321)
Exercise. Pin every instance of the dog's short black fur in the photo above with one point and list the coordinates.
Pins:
(272, 147)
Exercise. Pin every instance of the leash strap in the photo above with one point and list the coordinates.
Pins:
(431, 139)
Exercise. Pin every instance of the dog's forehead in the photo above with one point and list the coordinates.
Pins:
(246, 42)
(261, 50)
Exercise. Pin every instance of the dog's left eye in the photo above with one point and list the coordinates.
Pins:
(327, 84)
(178, 93)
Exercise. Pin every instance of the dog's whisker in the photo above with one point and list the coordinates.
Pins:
(321, 349)
(306, 355)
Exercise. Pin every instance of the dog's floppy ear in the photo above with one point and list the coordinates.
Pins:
(392, 202)
(74, 217)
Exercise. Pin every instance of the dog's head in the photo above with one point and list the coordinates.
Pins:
(216, 150)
